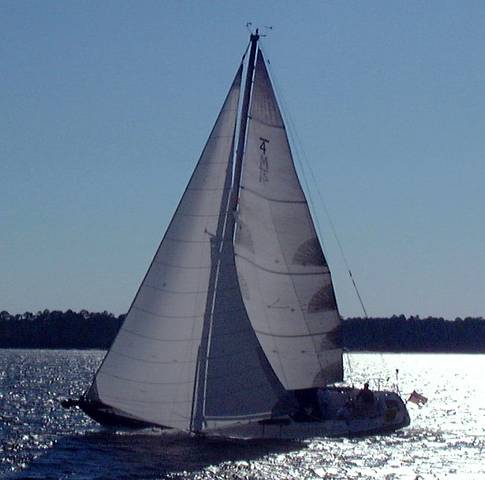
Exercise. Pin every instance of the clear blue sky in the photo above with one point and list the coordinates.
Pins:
(105, 107)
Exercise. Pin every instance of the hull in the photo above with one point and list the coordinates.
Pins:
(340, 414)
(113, 418)
(304, 430)
(387, 414)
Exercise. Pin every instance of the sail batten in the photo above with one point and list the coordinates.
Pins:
(279, 272)
(285, 280)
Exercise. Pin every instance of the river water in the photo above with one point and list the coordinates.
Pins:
(40, 440)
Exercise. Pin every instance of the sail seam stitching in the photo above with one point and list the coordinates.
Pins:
(230, 310)
(173, 239)
(185, 267)
(195, 189)
(158, 362)
(187, 340)
(269, 199)
(292, 336)
(279, 272)
(167, 316)
(179, 292)
(157, 339)
(172, 265)
(144, 382)
(272, 125)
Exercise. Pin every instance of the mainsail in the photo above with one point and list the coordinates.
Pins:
(284, 277)
(150, 371)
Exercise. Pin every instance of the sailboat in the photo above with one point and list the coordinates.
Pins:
(235, 329)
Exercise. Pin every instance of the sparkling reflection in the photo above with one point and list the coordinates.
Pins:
(41, 440)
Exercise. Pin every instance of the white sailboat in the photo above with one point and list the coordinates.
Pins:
(235, 328)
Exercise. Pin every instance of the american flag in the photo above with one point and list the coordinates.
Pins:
(417, 398)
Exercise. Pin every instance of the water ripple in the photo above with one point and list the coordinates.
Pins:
(40, 440)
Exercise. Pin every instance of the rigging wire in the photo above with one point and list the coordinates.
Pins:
(304, 164)
(245, 52)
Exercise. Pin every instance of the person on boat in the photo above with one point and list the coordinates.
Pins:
(365, 396)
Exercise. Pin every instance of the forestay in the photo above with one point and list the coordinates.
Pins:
(284, 278)
(150, 371)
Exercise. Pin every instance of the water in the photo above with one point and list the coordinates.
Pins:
(40, 440)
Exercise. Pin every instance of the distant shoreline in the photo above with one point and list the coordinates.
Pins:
(56, 330)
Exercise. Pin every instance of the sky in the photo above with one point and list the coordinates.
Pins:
(105, 108)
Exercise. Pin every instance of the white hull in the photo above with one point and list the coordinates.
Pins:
(387, 415)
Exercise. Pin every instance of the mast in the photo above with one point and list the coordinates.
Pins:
(244, 118)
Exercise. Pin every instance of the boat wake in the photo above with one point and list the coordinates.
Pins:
(130, 455)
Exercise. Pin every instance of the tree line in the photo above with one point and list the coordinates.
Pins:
(96, 330)
(414, 334)
(56, 329)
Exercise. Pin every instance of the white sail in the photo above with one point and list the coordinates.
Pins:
(284, 278)
(151, 369)
(240, 385)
